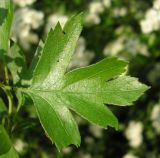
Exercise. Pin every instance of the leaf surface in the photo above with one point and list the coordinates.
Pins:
(123, 91)
(57, 53)
(106, 69)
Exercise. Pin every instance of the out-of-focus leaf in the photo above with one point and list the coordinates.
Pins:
(5, 143)
(17, 65)
(10, 154)
(2, 106)
(6, 14)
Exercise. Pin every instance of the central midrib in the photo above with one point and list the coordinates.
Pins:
(79, 92)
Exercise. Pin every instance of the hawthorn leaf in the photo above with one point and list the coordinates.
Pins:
(6, 14)
(5, 144)
(56, 93)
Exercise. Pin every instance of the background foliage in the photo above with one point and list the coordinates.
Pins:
(128, 29)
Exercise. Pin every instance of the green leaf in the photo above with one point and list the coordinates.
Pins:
(17, 65)
(53, 62)
(6, 14)
(5, 144)
(56, 93)
(6, 148)
(36, 57)
(10, 154)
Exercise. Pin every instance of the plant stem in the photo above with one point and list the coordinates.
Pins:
(10, 102)
(7, 90)
(10, 108)
(6, 74)
(18, 107)
(6, 87)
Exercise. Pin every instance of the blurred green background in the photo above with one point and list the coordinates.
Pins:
(129, 29)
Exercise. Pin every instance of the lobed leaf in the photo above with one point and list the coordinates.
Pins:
(56, 93)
